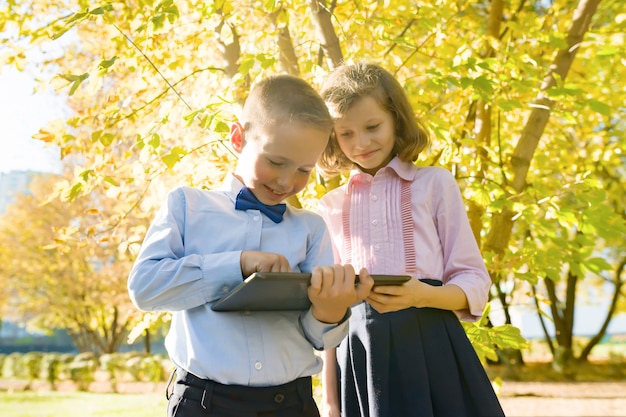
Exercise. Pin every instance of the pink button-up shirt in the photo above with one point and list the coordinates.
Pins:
(408, 220)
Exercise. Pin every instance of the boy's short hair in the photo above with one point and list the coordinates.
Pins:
(280, 99)
(349, 83)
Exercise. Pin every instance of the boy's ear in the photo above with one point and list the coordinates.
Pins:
(236, 137)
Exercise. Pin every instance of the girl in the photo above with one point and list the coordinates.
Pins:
(406, 353)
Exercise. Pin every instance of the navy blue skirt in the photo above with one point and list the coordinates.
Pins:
(415, 362)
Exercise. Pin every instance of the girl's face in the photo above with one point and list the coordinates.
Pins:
(366, 134)
(277, 162)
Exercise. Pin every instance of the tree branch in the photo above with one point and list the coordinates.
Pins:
(326, 32)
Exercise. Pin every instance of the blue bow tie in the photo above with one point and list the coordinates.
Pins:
(246, 200)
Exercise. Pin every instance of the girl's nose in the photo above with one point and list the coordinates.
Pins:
(362, 139)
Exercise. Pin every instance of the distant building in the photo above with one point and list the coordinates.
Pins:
(15, 338)
(13, 183)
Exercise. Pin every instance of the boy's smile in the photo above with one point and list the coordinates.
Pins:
(275, 162)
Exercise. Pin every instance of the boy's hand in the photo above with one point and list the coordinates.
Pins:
(253, 261)
(332, 291)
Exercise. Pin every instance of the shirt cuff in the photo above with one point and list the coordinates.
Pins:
(476, 294)
(221, 273)
(323, 335)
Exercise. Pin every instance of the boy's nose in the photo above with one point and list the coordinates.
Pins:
(285, 181)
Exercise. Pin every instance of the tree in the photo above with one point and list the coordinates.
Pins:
(525, 102)
(64, 271)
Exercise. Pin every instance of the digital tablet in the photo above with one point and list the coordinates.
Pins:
(275, 291)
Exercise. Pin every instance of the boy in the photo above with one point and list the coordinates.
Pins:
(202, 244)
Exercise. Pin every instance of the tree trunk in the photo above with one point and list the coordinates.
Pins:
(563, 318)
(502, 225)
(147, 341)
(584, 355)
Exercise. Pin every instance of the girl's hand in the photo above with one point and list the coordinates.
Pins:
(415, 293)
(386, 298)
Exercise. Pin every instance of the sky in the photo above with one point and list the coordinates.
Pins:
(22, 113)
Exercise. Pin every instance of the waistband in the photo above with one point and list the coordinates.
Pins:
(209, 392)
(433, 282)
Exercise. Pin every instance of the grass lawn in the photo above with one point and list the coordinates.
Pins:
(81, 404)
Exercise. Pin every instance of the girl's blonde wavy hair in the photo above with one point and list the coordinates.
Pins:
(349, 83)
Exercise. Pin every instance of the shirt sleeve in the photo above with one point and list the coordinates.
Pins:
(463, 262)
(163, 278)
(320, 253)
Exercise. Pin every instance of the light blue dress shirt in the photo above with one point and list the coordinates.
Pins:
(190, 258)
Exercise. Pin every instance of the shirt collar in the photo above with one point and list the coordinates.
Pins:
(231, 185)
(404, 170)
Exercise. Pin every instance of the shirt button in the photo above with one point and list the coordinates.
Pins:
(374, 197)
(376, 247)
(256, 218)
(374, 222)
(258, 366)
(225, 289)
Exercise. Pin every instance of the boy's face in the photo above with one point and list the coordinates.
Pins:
(276, 162)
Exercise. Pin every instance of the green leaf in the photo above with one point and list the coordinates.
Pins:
(566, 218)
(75, 81)
(270, 5)
(155, 140)
(85, 174)
(508, 105)
(221, 127)
(206, 121)
(508, 336)
(564, 91)
(157, 22)
(175, 155)
(107, 63)
(483, 84)
(74, 191)
(107, 139)
(189, 118)
(608, 50)
(557, 41)
(95, 135)
(481, 196)
(465, 82)
(600, 107)
(552, 273)
(77, 17)
(246, 66)
(597, 265)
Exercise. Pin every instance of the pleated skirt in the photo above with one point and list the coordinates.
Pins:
(412, 363)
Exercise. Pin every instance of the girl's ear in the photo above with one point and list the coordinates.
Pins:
(236, 137)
